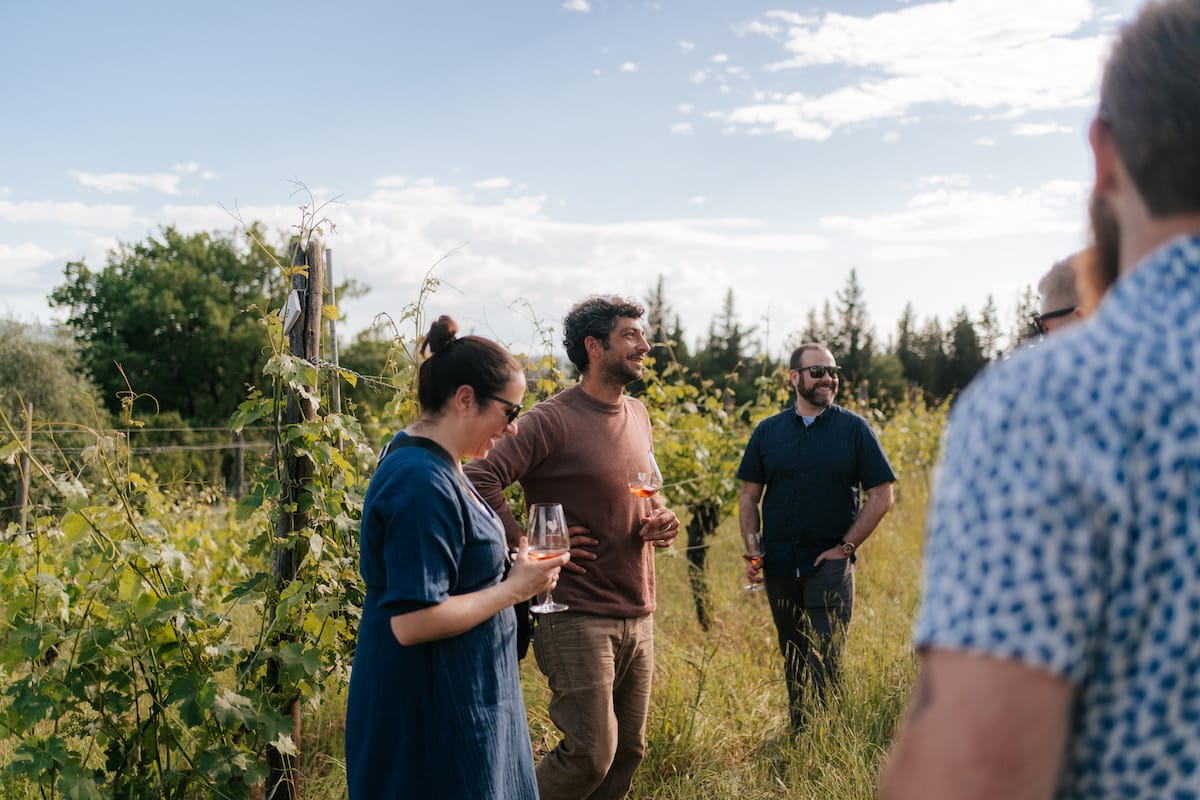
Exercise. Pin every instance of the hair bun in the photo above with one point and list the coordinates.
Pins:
(441, 334)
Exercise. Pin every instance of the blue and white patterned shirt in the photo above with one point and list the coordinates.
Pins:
(1065, 529)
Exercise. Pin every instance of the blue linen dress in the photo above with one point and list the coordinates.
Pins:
(441, 719)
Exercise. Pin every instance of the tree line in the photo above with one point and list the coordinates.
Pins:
(159, 336)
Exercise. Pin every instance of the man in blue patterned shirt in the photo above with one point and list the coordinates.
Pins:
(1060, 625)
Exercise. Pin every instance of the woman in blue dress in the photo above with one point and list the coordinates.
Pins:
(435, 706)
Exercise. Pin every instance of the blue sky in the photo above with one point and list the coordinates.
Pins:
(565, 148)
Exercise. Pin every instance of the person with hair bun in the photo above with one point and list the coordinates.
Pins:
(435, 706)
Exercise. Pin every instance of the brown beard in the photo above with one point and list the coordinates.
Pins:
(1096, 268)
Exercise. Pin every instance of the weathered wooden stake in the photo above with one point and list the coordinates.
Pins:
(304, 342)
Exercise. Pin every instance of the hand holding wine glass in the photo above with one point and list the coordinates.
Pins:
(753, 555)
(643, 477)
(548, 537)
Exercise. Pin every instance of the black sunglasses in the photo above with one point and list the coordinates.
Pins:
(1040, 319)
(511, 412)
(818, 371)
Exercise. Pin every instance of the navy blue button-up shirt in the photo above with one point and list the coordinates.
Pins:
(812, 476)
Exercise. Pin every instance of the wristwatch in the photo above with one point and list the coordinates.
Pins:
(848, 548)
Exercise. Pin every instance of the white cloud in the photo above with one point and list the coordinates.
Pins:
(907, 252)
(699, 76)
(493, 183)
(577, 5)
(686, 46)
(1041, 128)
(111, 182)
(985, 141)
(947, 214)
(720, 58)
(17, 263)
(681, 128)
(682, 108)
(78, 215)
(629, 66)
(958, 180)
(697, 199)
(1005, 58)
(891, 137)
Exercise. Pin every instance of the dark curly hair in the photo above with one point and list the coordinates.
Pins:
(453, 362)
(595, 316)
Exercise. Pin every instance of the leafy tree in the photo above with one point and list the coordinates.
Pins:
(929, 346)
(964, 356)
(40, 366)
(656, 324)
(724, 360)
(169, 312)
(853, 342)
(886, 381)
(372, 354)
(817, 329)
(989, 330)
(906, 351)
(1026, 310)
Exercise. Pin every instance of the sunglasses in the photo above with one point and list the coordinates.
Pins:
(819, 371)
(1040, 319)
(511, 411)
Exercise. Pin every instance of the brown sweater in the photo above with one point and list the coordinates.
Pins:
(571, 450)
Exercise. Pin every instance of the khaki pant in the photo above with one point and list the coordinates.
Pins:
(600, 670)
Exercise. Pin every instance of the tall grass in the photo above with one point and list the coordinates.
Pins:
(718, 726)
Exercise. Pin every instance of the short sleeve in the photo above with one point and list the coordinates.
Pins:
(1011, 562)
(751, 468)
(416, 537)
(874, 468)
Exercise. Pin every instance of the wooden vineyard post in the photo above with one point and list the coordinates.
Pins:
(304, 341)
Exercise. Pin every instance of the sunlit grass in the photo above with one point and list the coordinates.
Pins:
(718, 725)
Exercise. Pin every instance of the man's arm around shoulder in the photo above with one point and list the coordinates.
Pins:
(979, 727)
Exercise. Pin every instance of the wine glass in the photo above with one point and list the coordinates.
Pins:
(643, 476)
(753, 554)
(548, 537)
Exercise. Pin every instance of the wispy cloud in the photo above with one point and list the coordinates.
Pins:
(499, 182)
(629, 66)
(17, 263)
(950, 213)
(682, 128)
(80, 215)
(720, 58)
(581, 6)
(686, 46)
(1041, 128)
(113, 182)
(1005, 58)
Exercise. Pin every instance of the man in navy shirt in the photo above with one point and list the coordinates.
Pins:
(811, 460)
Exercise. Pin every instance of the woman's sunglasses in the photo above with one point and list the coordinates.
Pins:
(511, 411)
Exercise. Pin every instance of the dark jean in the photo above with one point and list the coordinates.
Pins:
(600, 671)
(811, 616)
